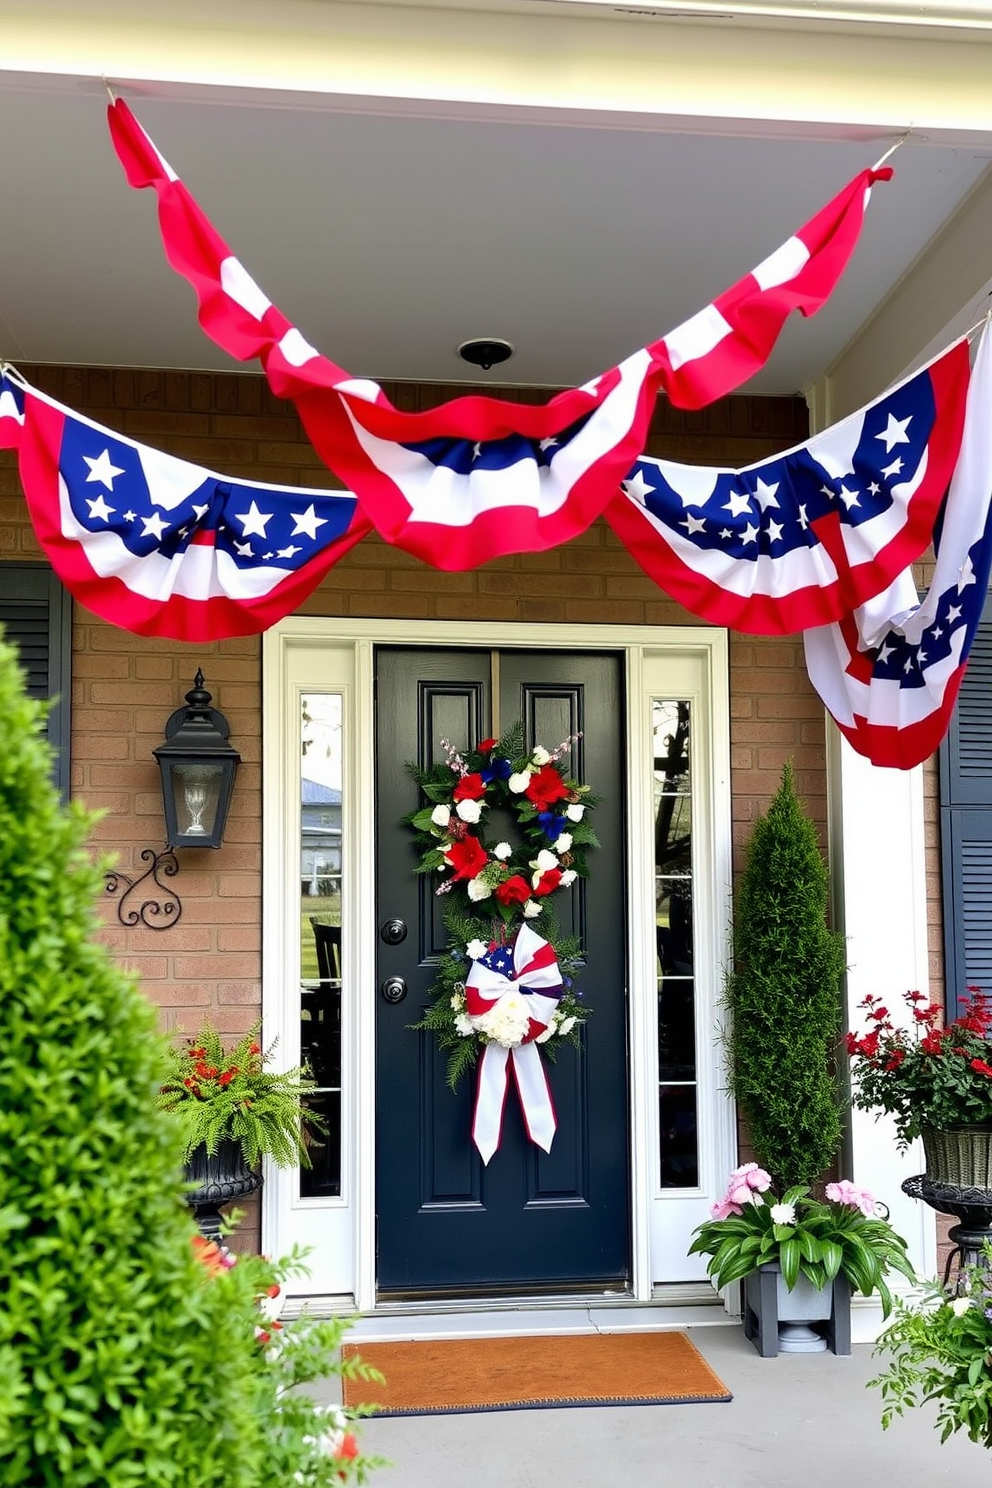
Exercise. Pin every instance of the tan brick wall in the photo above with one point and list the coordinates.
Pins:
(125, 687)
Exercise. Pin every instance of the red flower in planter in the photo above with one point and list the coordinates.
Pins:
(467, 857)
(469, 788)
(515, 890)
(545, 787)
(548, 882)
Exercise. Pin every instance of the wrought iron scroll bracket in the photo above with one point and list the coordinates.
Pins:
(162, 907)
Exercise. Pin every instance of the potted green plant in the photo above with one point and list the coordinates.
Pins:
(935, 1082)
(233, 1111)
(941, 1351)
(799, 1257)
(783, 997)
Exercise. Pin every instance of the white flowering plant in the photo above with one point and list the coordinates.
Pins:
(845, 1234)
(941, 1352)
(493, 889)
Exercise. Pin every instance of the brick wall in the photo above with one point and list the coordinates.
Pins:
(125, 687)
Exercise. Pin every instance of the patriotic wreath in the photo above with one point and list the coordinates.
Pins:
(501, 986)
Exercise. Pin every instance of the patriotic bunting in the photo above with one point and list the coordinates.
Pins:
(479, 478)
(890, 673)
(806, 537)
(157, 545)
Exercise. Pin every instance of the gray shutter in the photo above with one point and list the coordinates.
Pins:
(966, 825)
(36, 617)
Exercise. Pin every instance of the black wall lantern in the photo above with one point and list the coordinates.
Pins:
(198, 767)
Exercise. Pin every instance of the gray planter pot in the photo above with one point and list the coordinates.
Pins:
(774, 1316)
(218, 1180)
(960, 1156)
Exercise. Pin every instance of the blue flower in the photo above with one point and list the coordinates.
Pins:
(553, 824)
(497, 769)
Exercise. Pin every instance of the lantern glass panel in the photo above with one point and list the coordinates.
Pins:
(197, 791)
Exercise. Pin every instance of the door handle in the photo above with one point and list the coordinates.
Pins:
(393, 989)
(393, 932)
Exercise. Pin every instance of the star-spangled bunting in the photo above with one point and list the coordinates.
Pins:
(157, 545)
(805, 537)
(890, 672)
(478, 478)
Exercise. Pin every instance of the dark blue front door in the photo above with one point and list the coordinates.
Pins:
(529, 1221)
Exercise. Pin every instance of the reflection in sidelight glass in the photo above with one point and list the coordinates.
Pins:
(678, 1140)
(320, 931)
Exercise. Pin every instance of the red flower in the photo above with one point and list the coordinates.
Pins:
(895, 1059)
(934, 1041)
(228, 1075)
(852, 1042)
(486, 745)
(207, 1252)
(879, 1014)
(254, 1049)
(467, 857)
(515, 890)
(548, 882)
(469, 788)
(545, 787)
(348, 1447)
(981, 1067)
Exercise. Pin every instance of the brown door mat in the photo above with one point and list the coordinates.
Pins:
(469, 1374)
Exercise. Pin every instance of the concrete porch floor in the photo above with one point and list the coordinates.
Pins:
(804, 1420)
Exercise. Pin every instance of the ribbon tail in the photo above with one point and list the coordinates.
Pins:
(535, 1095)
(490, 1098)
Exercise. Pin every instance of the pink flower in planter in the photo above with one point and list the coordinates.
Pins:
(724, 1208)
(754, 1177)
(845, 1192)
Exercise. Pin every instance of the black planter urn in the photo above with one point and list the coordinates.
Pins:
(217, 1180)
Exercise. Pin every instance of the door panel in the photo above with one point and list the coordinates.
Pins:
(530, 1220)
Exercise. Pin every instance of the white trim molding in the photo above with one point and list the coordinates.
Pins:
(311, 654)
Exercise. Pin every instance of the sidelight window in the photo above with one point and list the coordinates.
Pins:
(320, 931)
(677, 1070)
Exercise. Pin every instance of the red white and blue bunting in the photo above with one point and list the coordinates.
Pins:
(820, 539)
(479, 478)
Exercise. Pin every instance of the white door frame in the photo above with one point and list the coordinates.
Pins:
(314, 654)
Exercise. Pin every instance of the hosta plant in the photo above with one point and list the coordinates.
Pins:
(846, 1234)
(223, 1091)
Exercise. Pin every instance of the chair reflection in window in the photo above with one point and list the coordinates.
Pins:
(320, 1047)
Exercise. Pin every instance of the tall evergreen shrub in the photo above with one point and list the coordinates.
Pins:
(122, 1362)
(783, 997)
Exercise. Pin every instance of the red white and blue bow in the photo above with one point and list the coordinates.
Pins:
(529, 969)
(479, 478)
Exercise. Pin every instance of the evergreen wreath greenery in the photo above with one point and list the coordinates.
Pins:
(515, 883)
(119, 1363)
(219, 1091)
(783, 997)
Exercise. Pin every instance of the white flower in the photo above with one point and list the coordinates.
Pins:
(544, 861)
(531, 909)
(568, 877)
(469, 811)
(457, 1001)
(563, 842)
(575, 812)
(476, 948)
(783, 1214)
(441, 816)
(478, 890)
(518, 783)
(960, 1306)
(502, 851)
(464, 1026)
(566, 1027)
(540, 756)
(507, 1021)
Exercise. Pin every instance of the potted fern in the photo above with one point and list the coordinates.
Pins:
(233, 1111)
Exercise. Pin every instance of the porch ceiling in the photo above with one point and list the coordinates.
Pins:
(391, 235)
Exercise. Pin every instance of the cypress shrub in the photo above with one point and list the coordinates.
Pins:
(122, 1362)
(783, 997)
